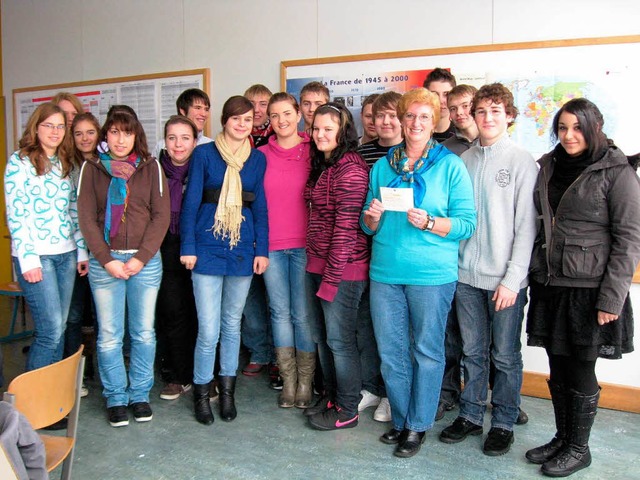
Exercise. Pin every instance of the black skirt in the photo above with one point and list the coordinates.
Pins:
(564, 320)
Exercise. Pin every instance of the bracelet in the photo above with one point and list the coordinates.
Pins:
(429, 224)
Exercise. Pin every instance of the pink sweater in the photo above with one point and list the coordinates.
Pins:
(284, 183)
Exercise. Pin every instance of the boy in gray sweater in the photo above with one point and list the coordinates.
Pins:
(493, 266)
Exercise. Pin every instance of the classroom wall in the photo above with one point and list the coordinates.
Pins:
(243, 42)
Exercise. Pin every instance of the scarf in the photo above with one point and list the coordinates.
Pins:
(566, 170)
(176, 177)
(260, 134)
(400, 164)
(118, 193)
(228, 217)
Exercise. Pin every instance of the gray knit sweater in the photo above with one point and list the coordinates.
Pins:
(503, 176)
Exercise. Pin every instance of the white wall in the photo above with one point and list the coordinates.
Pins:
(243, 42)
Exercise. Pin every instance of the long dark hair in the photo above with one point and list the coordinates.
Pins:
(347, 139)
(126, 122)
(590, 119)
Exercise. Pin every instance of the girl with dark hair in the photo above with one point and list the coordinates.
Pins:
(224, 241)
(337, 261)
(124, 213)
(288, 167)
(587, 248)
(46, 245)
(176, 320)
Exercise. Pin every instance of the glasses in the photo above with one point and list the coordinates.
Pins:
(423, 118)
(115, 132)
(51, 126)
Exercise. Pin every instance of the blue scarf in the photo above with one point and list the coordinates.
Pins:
(118, 193)
(400, 164)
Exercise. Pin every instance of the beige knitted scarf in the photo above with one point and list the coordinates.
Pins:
(228, 217)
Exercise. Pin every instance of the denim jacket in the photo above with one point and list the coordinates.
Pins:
(593, 241)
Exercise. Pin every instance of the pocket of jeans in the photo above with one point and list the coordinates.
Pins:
(584, 257)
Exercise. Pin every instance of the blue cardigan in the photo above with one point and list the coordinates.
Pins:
(215, 257)
(405, 255)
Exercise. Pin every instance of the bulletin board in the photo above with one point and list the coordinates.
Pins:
(542, 75)
(152, 96)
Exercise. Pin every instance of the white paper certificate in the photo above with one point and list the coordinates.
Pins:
(396, 199)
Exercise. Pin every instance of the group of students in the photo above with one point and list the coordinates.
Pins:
(379, 291)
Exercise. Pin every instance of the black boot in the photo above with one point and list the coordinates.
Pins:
(227, 387)
(576, 455)
(559, 399)
(201, 403)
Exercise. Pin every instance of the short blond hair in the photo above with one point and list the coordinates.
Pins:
(423, 97)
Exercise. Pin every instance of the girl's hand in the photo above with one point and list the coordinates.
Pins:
(605, 317)
(133, 266)
(189, 261)
(83, 268)
(260, 264)
(115, 268)
(33, 276)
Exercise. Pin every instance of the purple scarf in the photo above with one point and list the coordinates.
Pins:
(177, 178)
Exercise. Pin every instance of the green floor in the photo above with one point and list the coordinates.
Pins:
(266, 442)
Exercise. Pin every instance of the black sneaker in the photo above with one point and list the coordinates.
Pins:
(498, 442)
(522, 417)
(118, 416)
(333, 419)
(142, 411)
(275, 380)
(320, 406)
(459, 430)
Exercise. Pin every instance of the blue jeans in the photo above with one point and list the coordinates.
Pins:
(451, 387)
(256, 327)
(342, 367)
(219, 302)
(487, 332)
(285, 279)
(49, 301)
(409, 323)
(110, 294)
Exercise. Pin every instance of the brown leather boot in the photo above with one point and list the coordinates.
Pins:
(306, 368)
(288, 372)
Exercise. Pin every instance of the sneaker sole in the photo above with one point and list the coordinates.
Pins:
(382, 418)
(122, 423)
(170, 397)
(473, 433)
(143, 419)
(326, 428)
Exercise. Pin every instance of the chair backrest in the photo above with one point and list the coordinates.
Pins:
(47, 394)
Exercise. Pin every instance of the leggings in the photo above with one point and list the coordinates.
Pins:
(578, 375)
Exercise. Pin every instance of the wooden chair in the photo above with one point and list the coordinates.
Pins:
(12, 289)
(47, 395)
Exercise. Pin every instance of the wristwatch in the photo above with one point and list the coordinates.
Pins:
(428, 225)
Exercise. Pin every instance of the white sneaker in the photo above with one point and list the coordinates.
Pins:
(383, 412)
(368, 400)
(84, 391)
